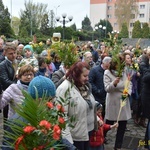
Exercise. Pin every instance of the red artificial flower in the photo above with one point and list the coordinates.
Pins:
(56, 129)
(61, 120)
(29, 129)
(18, 142)
(39, 148)
(45, 124)
(60, 108)
(50, 104)
(56, 132)
(56, 136)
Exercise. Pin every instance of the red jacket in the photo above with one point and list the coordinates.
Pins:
(97, 137)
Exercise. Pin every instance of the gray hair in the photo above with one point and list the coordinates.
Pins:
(106, 59)
(87, 52)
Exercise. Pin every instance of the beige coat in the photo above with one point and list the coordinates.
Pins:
(113, 97)
(77, 107)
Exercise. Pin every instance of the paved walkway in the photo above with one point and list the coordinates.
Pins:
(132, 138)
(136, 133)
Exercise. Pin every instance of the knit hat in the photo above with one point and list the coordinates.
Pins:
(29, 47)
(44, 53)
(44, 87)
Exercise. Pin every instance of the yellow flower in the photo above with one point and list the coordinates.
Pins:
(136, 66)
(38, 47)
(41, 44)
(125, 91)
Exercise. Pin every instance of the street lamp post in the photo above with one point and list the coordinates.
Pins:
(104, 28)
(115, 34)
(31, 26)
(100, 28)
(93, 32)
(11, 12)
(56, 9)
(64, 21)
(31, 21)
(56, 12)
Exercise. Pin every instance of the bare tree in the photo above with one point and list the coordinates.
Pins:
(35, 11)
(125, 10)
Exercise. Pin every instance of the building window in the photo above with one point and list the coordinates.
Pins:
(131, 24)
(132, 16)
(141, 15)
(109, 7)
(142, 6)
(115, 24)
(116, 6)
(108, 16)
(132, 7)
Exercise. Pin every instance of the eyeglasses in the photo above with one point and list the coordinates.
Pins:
(27, 75)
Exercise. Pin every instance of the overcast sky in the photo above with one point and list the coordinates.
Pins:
(77, 8)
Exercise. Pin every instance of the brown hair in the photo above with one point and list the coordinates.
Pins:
(125, 54)
(41, 60)
(9, 46)
(75, 72)
(24, 69)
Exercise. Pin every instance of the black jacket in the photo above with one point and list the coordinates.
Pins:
(2, 57)
(145, 94)
(7, 74)
(96, 80)
(94, 54)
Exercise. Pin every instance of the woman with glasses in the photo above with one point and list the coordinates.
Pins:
(13, 94)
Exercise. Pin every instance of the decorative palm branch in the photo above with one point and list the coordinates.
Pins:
(66, 52)
(38, 127)
(116, 57)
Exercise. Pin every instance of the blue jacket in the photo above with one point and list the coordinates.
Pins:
(96, 81)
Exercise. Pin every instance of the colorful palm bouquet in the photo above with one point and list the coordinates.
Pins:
(38, 127)
(67, 52)
(135, 66)
(38, 47)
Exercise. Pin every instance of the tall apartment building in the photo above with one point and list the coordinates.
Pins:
(105, 9)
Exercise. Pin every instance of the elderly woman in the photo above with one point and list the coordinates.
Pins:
(13, 94)
(80, 104)
(87, 57)
(114, 87)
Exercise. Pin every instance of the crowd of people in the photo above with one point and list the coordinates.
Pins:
(92, 85)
